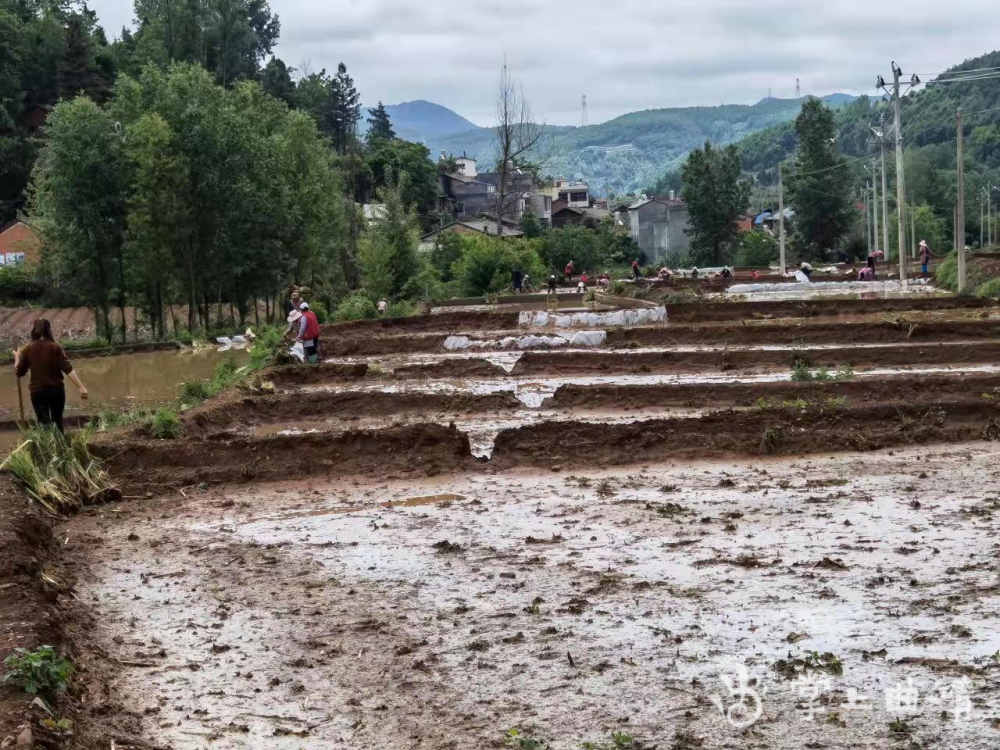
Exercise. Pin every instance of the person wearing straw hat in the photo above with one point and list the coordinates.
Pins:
(47, 362)
(925, 257)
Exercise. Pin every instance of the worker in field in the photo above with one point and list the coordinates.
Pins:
(552, 284)
(568, 272)
(382, 307)
(47, 362)
(518, 279)
(925, 257)
(806, 269)
(293, 301)
(309, 333)
(635, 269)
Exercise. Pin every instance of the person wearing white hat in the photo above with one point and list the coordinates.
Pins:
(308, 333)
(925, 257)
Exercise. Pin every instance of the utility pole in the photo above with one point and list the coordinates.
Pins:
(875, 203)
(913, 233)
(960, 210)
(868, 216)
(900, 181)
(781, 219)
(982, 220)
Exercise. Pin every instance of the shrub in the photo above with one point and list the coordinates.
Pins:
(195, 391)
(38, 671)
(166, 425)
(320, 310)
(356, 306)
(270, 342)
(401, 309)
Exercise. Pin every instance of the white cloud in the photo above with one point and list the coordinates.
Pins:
(625, 55)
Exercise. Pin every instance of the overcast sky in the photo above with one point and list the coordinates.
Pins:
(625, 55)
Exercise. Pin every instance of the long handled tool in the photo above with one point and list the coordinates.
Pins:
(20, 398)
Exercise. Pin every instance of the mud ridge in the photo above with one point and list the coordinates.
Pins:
(603, 362)
(903, 388)
(693, 312)
(245, 411)
(308, 374)
(158, 466)
(774, 432)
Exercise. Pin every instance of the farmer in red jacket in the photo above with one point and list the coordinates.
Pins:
(309, 333)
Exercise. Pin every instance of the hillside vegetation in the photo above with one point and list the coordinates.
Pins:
(929, 137)
(632, 151)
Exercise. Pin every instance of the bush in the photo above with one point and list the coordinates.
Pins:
(18, 284)
(38, 671)
(356, 306)
(487, 263)
(166, 425)
(320, 310)
(757, 249)
(401, 309)
(97, 342)
(195, 391)
(270, 342)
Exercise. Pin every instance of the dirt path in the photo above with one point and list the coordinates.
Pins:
(440, 613)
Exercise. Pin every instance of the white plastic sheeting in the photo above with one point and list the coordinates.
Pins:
(541, 319)
(550, 341)
(832, 287)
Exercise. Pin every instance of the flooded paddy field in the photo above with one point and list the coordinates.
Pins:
(379, 611)
(768, 527)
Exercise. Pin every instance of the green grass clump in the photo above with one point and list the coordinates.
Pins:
(519, 741)
(58, 472)
(771, 439)
(38, 671)
(166, 425)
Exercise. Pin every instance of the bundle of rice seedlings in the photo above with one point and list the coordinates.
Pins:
(59, 473)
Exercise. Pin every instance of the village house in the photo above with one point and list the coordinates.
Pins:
(469, 227)
(658, 226)
(20, 243)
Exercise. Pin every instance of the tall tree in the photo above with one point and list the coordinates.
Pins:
(379, 125)
(515, 135)
(78, 200)
(388, 251)
(715, 197)
(394, 159)
(820, 189)
(345, 109)
(277, 80)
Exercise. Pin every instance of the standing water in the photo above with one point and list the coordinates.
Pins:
(142, 379)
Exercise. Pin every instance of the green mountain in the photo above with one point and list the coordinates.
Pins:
(632, 151)
(929, 140)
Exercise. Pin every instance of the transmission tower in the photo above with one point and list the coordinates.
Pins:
(583, 112)
(798, 89)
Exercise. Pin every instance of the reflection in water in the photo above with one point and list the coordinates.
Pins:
(146, 378)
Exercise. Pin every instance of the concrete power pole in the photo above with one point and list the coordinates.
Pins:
(900, 182)
(960, 210)
(781, 220)
(868, 216)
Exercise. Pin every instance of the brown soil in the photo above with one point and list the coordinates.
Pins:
(449, 321)
(691, 312)
(809, 332)
(36, 609)
(753, 433)
(906, 389)
(604, 362)
(149, 465)
(236, 411)
(806, 332)
(451, 369)
(306, 374)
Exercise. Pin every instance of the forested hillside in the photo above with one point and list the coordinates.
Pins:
(632, 151)
(929, 136)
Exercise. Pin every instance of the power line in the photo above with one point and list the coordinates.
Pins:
(828, 169)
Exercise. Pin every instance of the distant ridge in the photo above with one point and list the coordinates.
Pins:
(422, 121)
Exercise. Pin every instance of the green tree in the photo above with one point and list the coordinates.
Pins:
(277, 81)
(388, 250)
(78, 201)
(820, 189)
(345, 109)
(379, 125)
(398, 158)
(487, 263)
(577, 244)
(530, 225)
(715, 197)
(757, 249)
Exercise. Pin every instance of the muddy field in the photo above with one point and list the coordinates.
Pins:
(410, 548)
